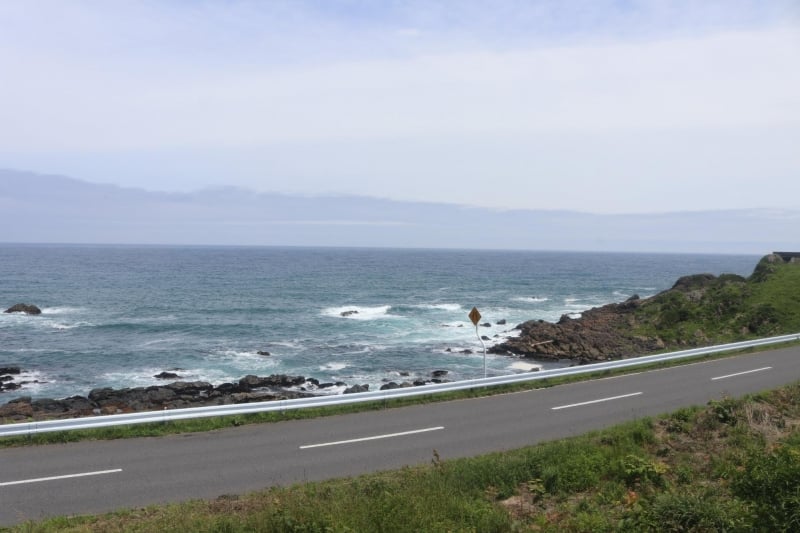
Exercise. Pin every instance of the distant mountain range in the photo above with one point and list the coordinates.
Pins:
(38, 208)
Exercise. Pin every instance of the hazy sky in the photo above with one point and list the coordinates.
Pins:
(606, 106)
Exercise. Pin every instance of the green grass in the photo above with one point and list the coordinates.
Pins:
(723, 309)
(732, 465)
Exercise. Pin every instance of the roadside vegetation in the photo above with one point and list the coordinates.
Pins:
(732, 465)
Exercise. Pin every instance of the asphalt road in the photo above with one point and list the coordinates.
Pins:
(92, 477)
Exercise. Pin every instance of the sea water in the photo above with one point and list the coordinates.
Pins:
(115, 316)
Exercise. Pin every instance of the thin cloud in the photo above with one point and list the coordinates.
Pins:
(411, 100)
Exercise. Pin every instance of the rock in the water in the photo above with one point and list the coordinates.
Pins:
(28, 309)
(502, 322)
(167, 375)
(263, 352)
(250, 382)
(8, 370)
(356, 389)
(348, 313)
(439, 373)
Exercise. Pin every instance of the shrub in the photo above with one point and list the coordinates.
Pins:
(771, 481)
(639, 470)
(690, 511)
(763, 319)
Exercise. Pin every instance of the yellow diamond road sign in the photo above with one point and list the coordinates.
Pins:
(475, 315)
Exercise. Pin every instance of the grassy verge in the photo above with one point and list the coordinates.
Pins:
(216, 423)
(732, 465)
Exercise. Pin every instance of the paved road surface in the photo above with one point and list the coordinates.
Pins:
(91, 477)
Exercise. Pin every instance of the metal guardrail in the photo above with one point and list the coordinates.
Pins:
(29, 428)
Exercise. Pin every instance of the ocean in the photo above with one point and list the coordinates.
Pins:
(115, 316)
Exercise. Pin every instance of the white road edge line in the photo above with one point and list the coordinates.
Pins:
(742, 373)
(376, 437)
(54, 478)
(596, 401)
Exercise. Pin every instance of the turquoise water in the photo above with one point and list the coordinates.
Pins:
(117, 315)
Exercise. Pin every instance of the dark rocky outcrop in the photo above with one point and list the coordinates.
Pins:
(595, 336)
(170, 396)
(394, 385)
(355, 389)
(251, 382)
(7, 376)
(348, 313)
(167, 375)
(263, 352)
(28, 309)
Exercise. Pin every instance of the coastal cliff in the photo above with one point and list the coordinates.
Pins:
(698, 310)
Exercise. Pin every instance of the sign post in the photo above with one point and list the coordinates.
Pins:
(475, 317)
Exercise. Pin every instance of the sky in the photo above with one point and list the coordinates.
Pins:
(601, 106)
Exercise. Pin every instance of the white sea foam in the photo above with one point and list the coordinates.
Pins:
(34, 382)
(210, 375)
(238, 353)
(531, 299)
(33, 375)
(357, 312)
(326, 391)
(250, 356)
(285, 344)
(61, 310)
(144, 377)
(333, 367)
(166, 340)
(456, 324)
(440, 307)
(139, 377)
(525, 367)
(60, 326)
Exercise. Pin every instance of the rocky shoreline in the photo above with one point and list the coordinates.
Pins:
(698, 310)
(176, 395)
(596, 336)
